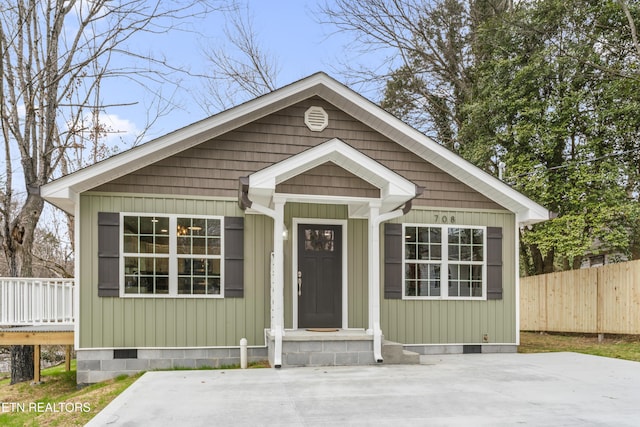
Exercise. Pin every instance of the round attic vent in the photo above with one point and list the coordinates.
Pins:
(316, 119)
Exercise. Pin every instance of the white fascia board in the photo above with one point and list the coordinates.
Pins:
(342, 155)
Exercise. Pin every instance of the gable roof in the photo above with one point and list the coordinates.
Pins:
(64, 191)
(395, 190)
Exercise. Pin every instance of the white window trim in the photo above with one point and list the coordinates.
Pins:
(444, 264)
(173, 255)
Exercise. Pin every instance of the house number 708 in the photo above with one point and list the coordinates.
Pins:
(446, 219)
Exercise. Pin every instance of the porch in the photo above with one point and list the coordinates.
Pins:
(37, 312)
(322, 347)
(335, 347)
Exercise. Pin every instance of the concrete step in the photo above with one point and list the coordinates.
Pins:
(394, 353)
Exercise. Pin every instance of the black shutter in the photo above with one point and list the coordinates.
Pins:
(108, 254)
(393, 248)
(494, 263)
(234, 257)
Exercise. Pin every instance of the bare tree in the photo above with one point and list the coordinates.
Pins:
(427, 73)
(54, 54)
(240, 70)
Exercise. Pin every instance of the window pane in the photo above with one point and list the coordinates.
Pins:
(454, 236)
(213, 286)
(199, 246)
(184, 266)
(184, 285)
(146, 244)
(319, 240)
(410, 251)
(162, 245)
(162, 285)
(478, 236)
(182, 228)
(146, 284)
(130, 225)
(436, 235)
(131, 244)
(162, 226)
(410, 271)
(213, 227)
(411, 234)
(146, 225)
(434, 288)
(130, 265)
(130, 284)
(213, 246)
(198, 227)
(477, 253)
(213, 267)
(410, 288)
(454, 253)
(476, 273)
(436, 252)
(184, 245)
(199, 285)
(162, 266)
(465, 253)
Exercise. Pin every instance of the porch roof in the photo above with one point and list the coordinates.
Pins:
(395, 190)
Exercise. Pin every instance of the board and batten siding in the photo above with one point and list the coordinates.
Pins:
(108, 322)
(212, 168)
(462, 321)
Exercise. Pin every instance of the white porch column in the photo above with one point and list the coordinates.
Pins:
(375, 219)
(373, 260)
(277, 291)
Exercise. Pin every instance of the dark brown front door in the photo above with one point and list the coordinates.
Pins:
(319, 276)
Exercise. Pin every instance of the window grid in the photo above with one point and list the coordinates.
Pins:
(466, 260)
(198, 275)
(171, 255)
(146, 254)
(422, 261)
(431, 250)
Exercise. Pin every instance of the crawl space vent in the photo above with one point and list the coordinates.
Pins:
(316, 119)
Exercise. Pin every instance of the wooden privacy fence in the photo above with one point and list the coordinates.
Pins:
(593, 300)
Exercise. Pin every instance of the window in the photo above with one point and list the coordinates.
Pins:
(444, 261)
(172, 255)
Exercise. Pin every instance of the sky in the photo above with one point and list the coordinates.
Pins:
(287, 29)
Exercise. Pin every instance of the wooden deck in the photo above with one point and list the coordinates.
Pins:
(38, 336)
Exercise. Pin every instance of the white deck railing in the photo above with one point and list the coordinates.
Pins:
(26, 301)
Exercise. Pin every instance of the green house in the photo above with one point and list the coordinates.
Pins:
(308, 221)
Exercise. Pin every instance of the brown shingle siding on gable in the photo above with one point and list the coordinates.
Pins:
(213, 168)
(328, 180)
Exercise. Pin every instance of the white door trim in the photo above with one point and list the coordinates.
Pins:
(294, 265)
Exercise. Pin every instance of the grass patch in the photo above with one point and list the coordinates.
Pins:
(57, 400)
(617, 346)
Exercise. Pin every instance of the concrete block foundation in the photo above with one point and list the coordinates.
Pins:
(100, 365)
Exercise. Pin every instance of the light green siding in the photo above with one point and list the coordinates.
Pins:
(172, 322)
(191, 322)
(457, 322)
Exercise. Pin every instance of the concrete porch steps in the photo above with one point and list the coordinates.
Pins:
(393, 353)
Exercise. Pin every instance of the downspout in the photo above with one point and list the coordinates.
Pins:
(374, 271)
(277, 321)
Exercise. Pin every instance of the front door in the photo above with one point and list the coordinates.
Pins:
(319, 276)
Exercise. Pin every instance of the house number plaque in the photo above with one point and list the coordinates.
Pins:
(445, 219)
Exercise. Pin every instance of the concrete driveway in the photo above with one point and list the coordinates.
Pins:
(550, 389)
